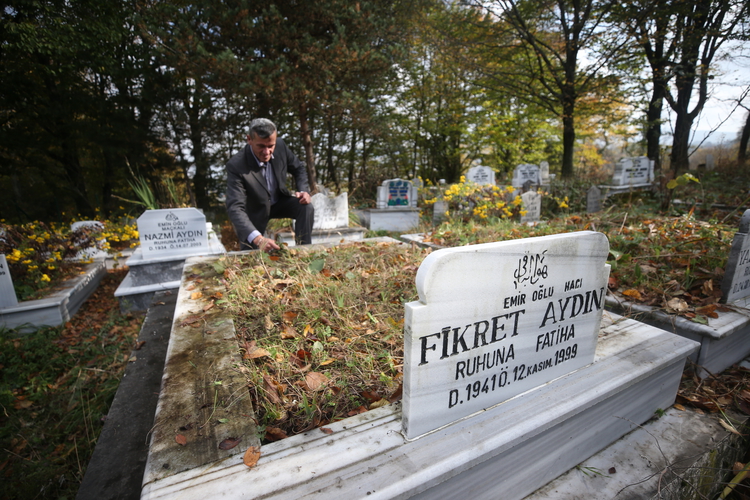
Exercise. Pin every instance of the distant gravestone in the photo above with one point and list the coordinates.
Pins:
(481, 175)
(525, 173)
(710, 162)
(532, 204)
(396, 193)
(91, 252)
(439, 210)
(497, 319)
(544, 173)
(593, 199)
(7, 293)
(736, 282)
(330, 213)
(172, 232)
(633, 171)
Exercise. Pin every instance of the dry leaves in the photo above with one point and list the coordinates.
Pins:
(251, 457)
(180, 439)
(229, 443)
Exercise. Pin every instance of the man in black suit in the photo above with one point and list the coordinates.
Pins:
(257, 192)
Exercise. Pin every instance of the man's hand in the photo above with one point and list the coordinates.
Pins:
(304, 198)
(265, 244)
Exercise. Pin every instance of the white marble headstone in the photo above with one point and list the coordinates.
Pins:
(593, 199)
(532, 204)
(330, 213)
(632, 171)
(91, 252)
(396, 193)
(481, 175)
(497, 319)
(710, 162)
(544, 172)
(172, 232)
(736, 282)
(7, 293)
(526, 172)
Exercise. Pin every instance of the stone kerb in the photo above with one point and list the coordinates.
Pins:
(736, 282)
(497, 319)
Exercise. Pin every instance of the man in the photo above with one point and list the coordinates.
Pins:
(257, 192)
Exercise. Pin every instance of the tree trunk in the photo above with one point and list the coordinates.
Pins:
(744, 138)
(307, 143)
(653, 124)
(569, 140)
(202, 168)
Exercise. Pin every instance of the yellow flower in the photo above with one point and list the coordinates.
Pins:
(45, 277)
(27, 261)
(33, 268)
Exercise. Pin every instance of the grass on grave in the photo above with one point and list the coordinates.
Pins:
(321, 331)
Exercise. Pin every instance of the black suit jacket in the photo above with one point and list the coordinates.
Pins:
(248, 201)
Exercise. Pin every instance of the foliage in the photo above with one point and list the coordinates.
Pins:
(324, 340)
(56, 385)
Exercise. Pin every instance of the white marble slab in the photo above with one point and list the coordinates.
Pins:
(497, 319)
(736, 282)
(633, 171)
(330, 213)
(7, 292)
(524, 173)
(532, 204)
(172, 232)
(481, 175)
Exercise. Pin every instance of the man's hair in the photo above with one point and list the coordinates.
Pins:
(262, 127)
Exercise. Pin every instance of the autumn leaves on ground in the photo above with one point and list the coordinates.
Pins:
(56, 386)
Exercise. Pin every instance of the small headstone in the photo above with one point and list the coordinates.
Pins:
(330, 213)
(396, 193)
(7, 293)
(91, 252)
(497, 319)
(438, 212)
(172, 232)
(417, 183)
(632, 171)
(532, 204)
(544, 173)
(593, 199)
(736, 282)
(481, 175)
(526, 172)
(710, 162)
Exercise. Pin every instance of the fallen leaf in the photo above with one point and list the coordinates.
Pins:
(22, 404)
(267, 322)
(327, 362)
(272, 389)
(326, 430)
(633, 294)
(275, 434)
(252, 455)
(208, 306)
(139, 344)
(181, 440)
(371, 396)
(315, 381)
(677, 304)
(729, 427)
(379, 403)
(679, 407)
(612, 470)
(289, 316)
(258, 352)
(229, 443)
(196, 295)
(288, 332)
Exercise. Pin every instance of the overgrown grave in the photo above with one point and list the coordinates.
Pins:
(554, 389)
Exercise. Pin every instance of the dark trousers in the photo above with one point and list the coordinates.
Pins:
(303, 215)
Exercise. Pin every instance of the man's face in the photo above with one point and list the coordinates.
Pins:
(262, 148)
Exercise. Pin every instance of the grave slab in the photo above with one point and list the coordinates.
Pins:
(59, 305)
(504, 451)
(392, 219)
(331, 223)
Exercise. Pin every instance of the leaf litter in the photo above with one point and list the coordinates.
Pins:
(321, 331)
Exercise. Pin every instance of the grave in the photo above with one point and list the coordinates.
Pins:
(544, 175)
(91, 252)
(724, 340)
(593, 199)
(532, 204)
(396, 208)
(526, 173)
(631, 174)
(505, 361)
(167, 237)
(481, 175)
(331, 222)
(7, 292)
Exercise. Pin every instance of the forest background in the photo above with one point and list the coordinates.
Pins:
(97, 97)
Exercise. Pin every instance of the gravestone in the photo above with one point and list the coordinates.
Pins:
(526, 172)
(544, 173)
(7, 292)
(396, 193)
(633, 171)
(330, 213)
(90, 252)
(481, 175)
(438, 212)
(710, 162)
(497, 319)
(593, 199)
(736, 282)
(172, 232)
(532, 204)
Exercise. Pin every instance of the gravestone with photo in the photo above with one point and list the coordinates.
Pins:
(532, 205)
(526, 173)
(7, 292)
(593, 199)
(396, 207)
(481, 175)
(167, 237)
(331, 223)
